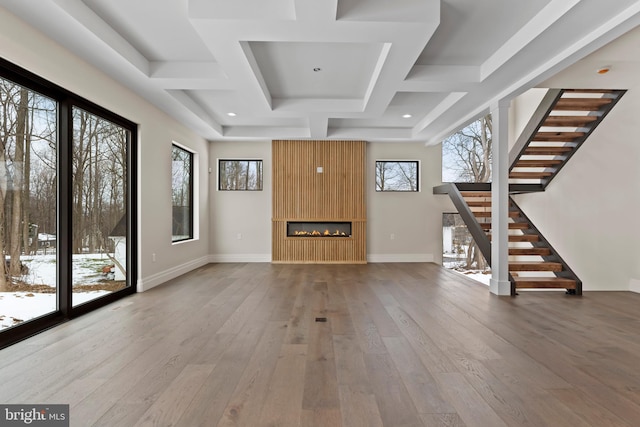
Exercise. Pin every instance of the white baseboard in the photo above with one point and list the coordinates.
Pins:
(222, 258)
(154, 280)
(400, 258)
(634, 285)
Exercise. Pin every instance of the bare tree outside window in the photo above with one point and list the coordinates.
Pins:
(396, 175)
(28, 180)
(182, 193)
(466, 157)
(240, 175)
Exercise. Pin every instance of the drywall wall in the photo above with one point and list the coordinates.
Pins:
(406, 227)
(414, 219)
(240, 221)
(156, 132)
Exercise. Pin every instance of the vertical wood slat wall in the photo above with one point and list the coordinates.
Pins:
(300, 193)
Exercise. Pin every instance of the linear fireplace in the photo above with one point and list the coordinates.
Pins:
(318, 229)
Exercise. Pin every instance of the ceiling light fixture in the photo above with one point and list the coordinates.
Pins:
(406, 116)
(230, 114)
(603, 70)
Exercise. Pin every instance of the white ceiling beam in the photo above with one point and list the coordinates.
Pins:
(313, 10)
(544, 19)
(185, 69)
(99, 29)
(441, 78)
(382, 59)
(370, 133)
(196, 109)
(272, 10)
(306, 105)
(595, 39)
(265, 132)
(318, 126)
(188, 75)
(436, 112)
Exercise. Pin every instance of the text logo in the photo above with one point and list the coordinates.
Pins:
(34, 415)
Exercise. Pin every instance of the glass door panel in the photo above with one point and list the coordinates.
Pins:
(28, 189)
(99, 207)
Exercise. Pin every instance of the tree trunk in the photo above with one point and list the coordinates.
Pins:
(15, 240)
(28, 245)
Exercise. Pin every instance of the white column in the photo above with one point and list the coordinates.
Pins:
(499, 283)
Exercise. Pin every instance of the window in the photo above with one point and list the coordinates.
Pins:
(67, 169)
(182, 193)
(243, 175)
(466, 155)
(397, 175)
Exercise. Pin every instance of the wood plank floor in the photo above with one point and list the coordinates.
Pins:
(403, 345)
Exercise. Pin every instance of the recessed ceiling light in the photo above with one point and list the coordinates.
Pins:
(317, 69)
(231, 114)
(406, 116)
(603, 70)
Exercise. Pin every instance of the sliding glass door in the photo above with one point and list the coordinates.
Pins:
(99, 213)
(28, 193)
(66, 190)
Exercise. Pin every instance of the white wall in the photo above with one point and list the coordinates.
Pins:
(521, 110)
(22, 45)
(414, 219)
(240, 221)
(590, 211)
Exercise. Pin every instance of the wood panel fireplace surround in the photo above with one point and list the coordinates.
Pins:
(319, 212)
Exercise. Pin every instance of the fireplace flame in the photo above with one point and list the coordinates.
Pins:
(318, 233)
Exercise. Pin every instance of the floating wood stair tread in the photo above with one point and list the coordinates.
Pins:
(530, 251)
(524, 238)
(557, 136)
(569, 121)
(521, 237)
(479, 203)
(544, 282)
(512, 225)
(547, 151)
(581, 104)
(537, 163)
(530, 175)
(466, 194)
(535, 266)
(487, 214)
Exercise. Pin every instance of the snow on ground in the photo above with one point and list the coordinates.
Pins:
(456, 262)
(479, 277)
(16, 307)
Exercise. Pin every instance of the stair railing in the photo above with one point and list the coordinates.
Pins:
(535, 123)
(479, 235)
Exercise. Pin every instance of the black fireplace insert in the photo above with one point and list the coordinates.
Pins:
(318, 229)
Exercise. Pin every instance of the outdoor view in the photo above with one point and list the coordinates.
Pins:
(397, 175)
(29, 182)
(466, 157)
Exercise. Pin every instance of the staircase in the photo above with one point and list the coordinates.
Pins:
(560, 125)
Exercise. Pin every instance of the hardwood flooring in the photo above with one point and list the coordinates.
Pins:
(403, 345)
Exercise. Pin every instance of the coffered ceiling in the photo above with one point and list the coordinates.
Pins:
(381, 70)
